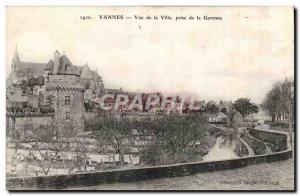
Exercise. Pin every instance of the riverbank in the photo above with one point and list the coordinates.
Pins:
(166, 171)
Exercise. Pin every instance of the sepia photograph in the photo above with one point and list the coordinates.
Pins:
(153, 98)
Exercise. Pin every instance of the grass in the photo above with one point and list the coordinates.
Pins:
(258, 147)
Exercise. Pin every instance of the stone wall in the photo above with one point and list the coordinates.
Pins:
(26, 124)
(129, 175)
(145, 173)
(277, 139)
(94, 117)
(89, 116)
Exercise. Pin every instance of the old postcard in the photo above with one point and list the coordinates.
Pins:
(150, 98)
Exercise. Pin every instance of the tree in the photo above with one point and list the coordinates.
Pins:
(212, 107)
(48, 144)
(271, 102)
(234, 122)
(287, 98)
(174, 134)
(116, 132)
(44, 147)
(224, 110)
(80, 158)
(279, 101)
(244, 106)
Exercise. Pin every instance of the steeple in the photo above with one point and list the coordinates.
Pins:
(15, 60)
(16, 57)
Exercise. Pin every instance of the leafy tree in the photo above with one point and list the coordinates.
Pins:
(271, 102)
(171, 136)
(245, 107)
(279, 101)
(88, 106)
(224, 110)
(174, 134)
(212, 108)
(287, 98)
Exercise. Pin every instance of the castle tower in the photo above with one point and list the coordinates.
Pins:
(68, 99)
(56, 62)
(68, 95)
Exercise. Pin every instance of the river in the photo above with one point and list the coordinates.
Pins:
(266, 176)
(221, 151)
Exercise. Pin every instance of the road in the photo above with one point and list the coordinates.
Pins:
(266, 176)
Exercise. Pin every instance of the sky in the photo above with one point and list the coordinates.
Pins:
(242, 55)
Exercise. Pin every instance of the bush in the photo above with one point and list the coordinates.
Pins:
(258, 147)
(173, 135)
(280, 125)
(212, 130)
(154, 155)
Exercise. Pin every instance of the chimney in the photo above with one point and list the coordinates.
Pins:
(56, 62)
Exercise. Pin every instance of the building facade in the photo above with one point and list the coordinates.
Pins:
(57, 85)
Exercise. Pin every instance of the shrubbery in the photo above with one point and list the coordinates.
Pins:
(280, 125)
(176, 138)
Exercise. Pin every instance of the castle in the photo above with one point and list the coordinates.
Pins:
(57, 85)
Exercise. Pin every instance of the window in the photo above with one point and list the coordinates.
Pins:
(68, 115)
(68, 68)
(67, 100)
(49, 100)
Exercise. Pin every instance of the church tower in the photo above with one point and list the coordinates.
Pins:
(15, 61)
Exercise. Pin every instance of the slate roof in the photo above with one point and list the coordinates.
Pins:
(64, 64)
(66, 67)
(86, 73)
(38, 68)
(96, 76)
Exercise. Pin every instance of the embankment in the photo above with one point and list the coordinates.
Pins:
(128, 175)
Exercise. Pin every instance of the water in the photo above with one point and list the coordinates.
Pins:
(221, 151)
